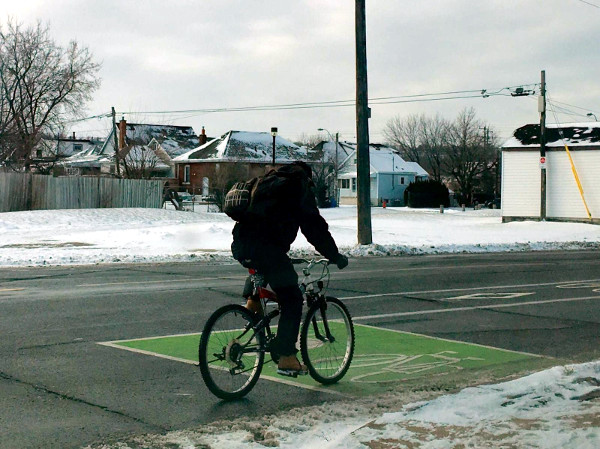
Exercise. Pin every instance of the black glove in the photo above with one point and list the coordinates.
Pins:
(341, 261)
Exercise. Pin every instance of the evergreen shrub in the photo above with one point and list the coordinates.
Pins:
(428, 193)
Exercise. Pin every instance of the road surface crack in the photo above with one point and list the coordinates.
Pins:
(64, 396)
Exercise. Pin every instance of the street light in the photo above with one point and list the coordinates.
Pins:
(589, 114)
(335, 184)
(274, 134)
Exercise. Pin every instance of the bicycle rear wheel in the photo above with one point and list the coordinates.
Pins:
(230, 353)
(327, 341)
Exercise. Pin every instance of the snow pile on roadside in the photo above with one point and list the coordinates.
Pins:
(555, 408)
(88, 236)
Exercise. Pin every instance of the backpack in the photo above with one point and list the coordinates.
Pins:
(238, 199)
(262, 197)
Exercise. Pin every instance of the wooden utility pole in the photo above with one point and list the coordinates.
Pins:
(542, 111)
(116, 142)
(363, 170)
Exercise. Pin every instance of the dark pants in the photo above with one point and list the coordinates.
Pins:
(280, 274)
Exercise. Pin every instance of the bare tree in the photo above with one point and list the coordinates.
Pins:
(469, 155)
(405, 135)
(309, 140)
(434, 137)
(42, 85)
(420, 139)
(139, 162)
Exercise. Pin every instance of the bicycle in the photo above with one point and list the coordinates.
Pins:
(235, 341)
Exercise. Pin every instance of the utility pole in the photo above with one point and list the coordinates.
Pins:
(337, 190)
(542, 111)
(363, 168)
(116, 142)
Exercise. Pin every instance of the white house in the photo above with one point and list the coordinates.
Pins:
(389, 173)
(521, 173)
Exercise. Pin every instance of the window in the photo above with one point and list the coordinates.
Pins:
(344, 183)
(186, 174)
(77, 147)
(354, 184)
(355, 161)
(205, 186)
(402, 180)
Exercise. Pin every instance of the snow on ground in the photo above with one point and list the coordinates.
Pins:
(89, 236)
(556, 408)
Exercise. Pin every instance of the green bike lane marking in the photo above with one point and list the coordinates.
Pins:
(383, 359)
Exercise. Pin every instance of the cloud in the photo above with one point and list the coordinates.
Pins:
(186, 54)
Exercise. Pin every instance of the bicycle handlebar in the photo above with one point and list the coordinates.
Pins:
(298, 261)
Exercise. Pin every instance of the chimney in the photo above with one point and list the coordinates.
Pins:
(122, 131)
(202, 137)
(73, 135)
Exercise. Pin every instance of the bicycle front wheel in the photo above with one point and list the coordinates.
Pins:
(230, 353)
(327, 340)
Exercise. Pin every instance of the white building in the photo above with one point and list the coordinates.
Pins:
(390, 176)
(521, 173)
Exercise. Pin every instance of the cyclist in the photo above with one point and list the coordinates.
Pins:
(262, 243)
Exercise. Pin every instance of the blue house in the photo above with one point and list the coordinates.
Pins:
(390, 175)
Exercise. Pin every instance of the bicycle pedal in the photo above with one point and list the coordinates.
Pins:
(291, 373)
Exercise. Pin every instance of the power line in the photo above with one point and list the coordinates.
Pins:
(438, 96)
(589, 3)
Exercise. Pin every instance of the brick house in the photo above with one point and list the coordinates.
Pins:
(212, 168)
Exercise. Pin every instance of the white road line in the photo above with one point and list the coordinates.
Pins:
(334, 274)
(417, 292)
(463, 309)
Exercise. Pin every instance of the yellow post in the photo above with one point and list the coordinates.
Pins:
(578, 182)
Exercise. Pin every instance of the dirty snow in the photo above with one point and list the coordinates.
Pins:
(553, 409)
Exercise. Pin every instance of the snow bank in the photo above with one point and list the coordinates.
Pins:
(91, 236)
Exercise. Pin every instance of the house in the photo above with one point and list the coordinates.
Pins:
(522, 167)
(389, 173)
(233, 156)
(324, 158)
(50, 151)
(145, 151)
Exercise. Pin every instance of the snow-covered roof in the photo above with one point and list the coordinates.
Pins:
(172, 141)
(384, 160)
(325, 151)
(572, 134)
(244, 146)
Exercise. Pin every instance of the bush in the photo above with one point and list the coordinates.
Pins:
(428, 193)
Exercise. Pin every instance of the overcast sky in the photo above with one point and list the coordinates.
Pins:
(187, 55)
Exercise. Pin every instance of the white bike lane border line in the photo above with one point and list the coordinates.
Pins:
(393, 362)
(468, 289)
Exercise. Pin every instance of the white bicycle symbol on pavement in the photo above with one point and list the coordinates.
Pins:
(398, 364)
(594, 285)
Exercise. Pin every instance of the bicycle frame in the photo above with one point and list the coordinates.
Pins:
(309, 293)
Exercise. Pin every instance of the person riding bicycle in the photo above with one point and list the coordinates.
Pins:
(262, 243)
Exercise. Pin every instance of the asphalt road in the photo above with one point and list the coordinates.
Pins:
(59, 388)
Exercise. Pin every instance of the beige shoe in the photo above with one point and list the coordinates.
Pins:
(254, 306)
(289, 365)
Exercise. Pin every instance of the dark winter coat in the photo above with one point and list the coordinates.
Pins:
(273, 233)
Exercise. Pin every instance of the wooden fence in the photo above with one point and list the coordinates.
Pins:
(24, 191)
